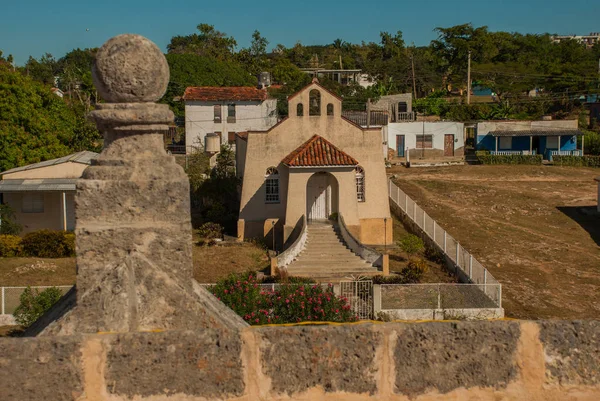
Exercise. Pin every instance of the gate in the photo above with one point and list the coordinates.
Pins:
(360, 297)
(400, 145)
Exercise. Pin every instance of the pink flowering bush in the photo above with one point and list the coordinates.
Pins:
(288, 303)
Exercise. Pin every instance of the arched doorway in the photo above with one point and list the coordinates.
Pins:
(321, 196)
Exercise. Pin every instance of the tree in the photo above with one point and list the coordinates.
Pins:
(8, 225)
(37, 125)
(209, 43)
(193, 70)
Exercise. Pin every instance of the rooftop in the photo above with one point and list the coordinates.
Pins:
(231, 93)
(84, 157)
(538, 132)
(318, 152)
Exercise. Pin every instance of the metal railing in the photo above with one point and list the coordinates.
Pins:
(512, 152)
(468, 269)
(440, 296)
(10, 297)
(406, 116)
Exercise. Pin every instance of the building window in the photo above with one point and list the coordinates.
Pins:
(424, 141)
(272, 185)
(217, 113)
(314, 103)
(330, 109)
(300, 110)
(505, 143)
(552, 142)
(402, 107)
(360, 184)
(231, 113)
(33, 202)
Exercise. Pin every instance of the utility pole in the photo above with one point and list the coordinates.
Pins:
(469, 80)
(412, 60)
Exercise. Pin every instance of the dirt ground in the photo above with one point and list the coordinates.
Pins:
(534, 227)
(210, 264)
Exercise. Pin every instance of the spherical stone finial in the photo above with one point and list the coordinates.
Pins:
(130, 69)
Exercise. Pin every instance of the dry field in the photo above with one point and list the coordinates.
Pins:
(210, 264)
(534, 227)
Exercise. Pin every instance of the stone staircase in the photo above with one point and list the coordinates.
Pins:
(326, 256)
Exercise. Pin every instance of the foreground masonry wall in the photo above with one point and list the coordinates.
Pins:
(503, 360)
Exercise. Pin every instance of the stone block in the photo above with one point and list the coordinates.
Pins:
(334, 358)
(447, 356)
(40, 369)
(202, 364)
(572, 352)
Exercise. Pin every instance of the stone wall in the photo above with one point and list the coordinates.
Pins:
(501, 360)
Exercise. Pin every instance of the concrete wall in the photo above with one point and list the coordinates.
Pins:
(266, 149)
(501, 360)
(199, 119)
(436, 129)
(51, 218)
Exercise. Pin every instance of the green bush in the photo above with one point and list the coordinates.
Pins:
(8, 226)
(512, 159)
(414, 271)
(34, 304)
(48, 244)
(289, 303)
(411, 244)
(10, 246)
(210, 230)
(434, 255)
(576, 161)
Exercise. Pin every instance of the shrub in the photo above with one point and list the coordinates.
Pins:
(333, 216)
(509, 159)
(8, 226)
(34, 304)
(576, 161)
(434, 255)
(48, 244)
(210, 230)
(10, 246)
(414, 270)
(411, 244)
(289, 303)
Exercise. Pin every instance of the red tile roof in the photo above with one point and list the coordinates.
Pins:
(318, 151)
(232, 93)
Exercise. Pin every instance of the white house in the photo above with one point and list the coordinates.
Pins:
(426, 139)
(226, 111)
(42, 195)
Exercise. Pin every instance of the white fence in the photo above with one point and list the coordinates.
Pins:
(10, 297)
(439, 296)
(468, 268)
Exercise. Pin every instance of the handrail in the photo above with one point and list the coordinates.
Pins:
(368, 254)
(286, 257)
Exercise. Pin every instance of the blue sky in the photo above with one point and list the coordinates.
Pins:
(38, 26)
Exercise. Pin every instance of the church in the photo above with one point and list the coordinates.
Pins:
(313, 167)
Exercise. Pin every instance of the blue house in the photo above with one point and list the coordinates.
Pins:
(546, 138)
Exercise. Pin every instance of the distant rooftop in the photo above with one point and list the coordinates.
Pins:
(218, 94)
(84, 157)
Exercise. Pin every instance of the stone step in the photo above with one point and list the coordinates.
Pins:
(327, 254)
(330, 260)
(320, 267)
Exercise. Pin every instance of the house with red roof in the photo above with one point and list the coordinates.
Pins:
(224, 111)
(312, 179)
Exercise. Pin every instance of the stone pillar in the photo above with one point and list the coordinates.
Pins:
(133, 227)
